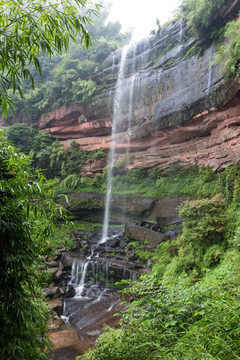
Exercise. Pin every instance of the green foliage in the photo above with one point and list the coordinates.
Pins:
(28, 27)
(204, 220)
(235, 240)
(177, 321)
(228, 54)
(71, 181)
(144, 254)
(188, 307)
(201, 20)
(48, 155)
(203, 238)
(178, 181)
(69, 78)
(28, 216)
(83, 90)
(20, 136)
(164, 255)
(58, 157)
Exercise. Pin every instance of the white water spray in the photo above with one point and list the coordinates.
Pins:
(180, 31)
(79, 269)
(210, 70)
(117, 112)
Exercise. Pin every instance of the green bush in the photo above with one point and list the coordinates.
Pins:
(28, 217)
(201, 20)
(228, 54)
(177, 321)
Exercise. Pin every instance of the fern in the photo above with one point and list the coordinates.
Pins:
(71, 181)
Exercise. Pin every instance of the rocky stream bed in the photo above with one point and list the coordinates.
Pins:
(82, 295)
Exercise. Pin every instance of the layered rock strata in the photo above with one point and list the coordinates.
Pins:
(183, 112)
(124, 208)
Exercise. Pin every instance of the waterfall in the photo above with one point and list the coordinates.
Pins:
(117, 112)
(180, 31)
(79, 269)
(210, 69)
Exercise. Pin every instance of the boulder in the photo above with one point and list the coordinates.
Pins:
(113, 242)
(56, 272)
(55, 321)
(67, 260)
(69, 291)
(52, 292)
(136, 232)
(52, 263)
(56, 305)
(122, 244)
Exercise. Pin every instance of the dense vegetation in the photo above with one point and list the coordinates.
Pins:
(30, 26)
(50, 156)
(27, 212)
(229, 52)
(188, 307)
(206, 20)
(69, 79)
(28, 217)
(209, 24)
(193, 289)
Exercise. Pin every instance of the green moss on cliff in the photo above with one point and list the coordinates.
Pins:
(178, 181)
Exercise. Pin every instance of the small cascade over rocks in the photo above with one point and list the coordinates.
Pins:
(85, 296)
(99, 265)
(90, 271)
(79, 269)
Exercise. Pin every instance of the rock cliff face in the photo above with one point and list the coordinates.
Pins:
(181, 109)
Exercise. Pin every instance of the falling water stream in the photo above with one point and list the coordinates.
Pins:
(94, 300)
(117, 111)
(123, 86)
(210, 69)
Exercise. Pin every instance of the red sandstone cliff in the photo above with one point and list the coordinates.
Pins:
(183, 112)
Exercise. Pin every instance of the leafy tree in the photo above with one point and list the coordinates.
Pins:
(69, 78)
(83, 90)
(30, 26)
(58, 158)
(229, 52)
(27, 218)
(204, 220)
(202, 21)
(71, 182)
(21, 136)
(199, 15)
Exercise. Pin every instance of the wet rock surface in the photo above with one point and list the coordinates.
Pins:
(83, 297)
(152, 233)
(124, 208)
(183, 111)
